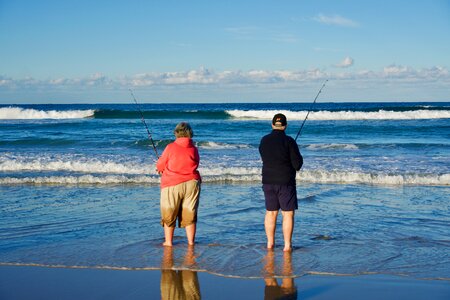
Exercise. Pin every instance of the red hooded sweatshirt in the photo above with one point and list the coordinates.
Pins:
(179, 162)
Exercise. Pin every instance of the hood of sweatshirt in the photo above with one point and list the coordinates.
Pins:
(184, 142)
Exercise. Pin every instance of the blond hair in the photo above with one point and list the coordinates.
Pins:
(183, 129)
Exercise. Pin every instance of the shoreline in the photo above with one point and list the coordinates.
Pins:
(43, 282)
(152, 269)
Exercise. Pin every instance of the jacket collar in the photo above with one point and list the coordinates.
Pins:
(184, 142)
(277, 131)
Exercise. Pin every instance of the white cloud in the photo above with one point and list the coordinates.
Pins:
(347, 62)
(207, 77)
(394, 70)
(5, 81)
(336, 20)
(393, 82)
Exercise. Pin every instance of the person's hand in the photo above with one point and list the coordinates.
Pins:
(159, 172)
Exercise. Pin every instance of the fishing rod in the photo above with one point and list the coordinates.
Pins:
(315, 99)
(143, 121)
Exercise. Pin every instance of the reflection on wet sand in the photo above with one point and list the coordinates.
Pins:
(181, 284)
(287, 289)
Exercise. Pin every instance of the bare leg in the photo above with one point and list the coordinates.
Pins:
(168, 234)
(270, 224)
(190, 233)
(288, 228)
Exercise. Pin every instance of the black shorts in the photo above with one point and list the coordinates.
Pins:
(280, 196)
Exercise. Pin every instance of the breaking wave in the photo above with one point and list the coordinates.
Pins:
(333, 146)
(342, 115)
(13, 113)
(45, 164)
(232, 175)
(219, 145)
(18, 113)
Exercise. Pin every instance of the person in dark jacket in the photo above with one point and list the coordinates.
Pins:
(281, 160)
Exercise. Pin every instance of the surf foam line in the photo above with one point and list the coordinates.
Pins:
(18, 113)
(333, 146)
(83, 166)
(94, 171)
(306, 176)
(96, 166)
(219, 146)
(342, 115)
(80, 180)
(124, 268)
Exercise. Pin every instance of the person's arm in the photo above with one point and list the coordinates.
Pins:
(197, 160)
(296, 157)
(197, 157)
(261, 148)
(162, 161)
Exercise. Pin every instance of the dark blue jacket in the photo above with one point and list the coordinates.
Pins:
(281, 158)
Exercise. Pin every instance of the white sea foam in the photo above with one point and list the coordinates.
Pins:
(111, 170)
(348, 177)
(17, 113)
(71, 165)
(342, 115)
(252, 173)
(235, 175)
(84, 179)
(332, 147)
(218, 145)
(67, 163)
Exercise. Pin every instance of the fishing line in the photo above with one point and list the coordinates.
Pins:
(315, 99)
(143, 121)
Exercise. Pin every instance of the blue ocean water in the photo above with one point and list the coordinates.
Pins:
(78, 186)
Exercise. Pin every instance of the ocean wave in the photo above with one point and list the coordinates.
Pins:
(38, 142)
(18, 113)
(342, 115)
(106, 166)
(71, 165)
(332, 146)
(348, 177)
(83, 179)
(120, 169)
(389, 146)
(160, 114)
(232, 175)
(219, 145)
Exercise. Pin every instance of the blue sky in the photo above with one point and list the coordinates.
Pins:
(223, 51)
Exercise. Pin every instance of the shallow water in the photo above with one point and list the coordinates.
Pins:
(340, 229)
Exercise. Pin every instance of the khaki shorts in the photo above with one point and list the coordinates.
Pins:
(180, 201)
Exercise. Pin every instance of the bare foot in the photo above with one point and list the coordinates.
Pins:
(270, 246)
(287, 248)
(166, 244)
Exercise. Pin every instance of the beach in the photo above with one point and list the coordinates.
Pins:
(93, 97)
(80, 203)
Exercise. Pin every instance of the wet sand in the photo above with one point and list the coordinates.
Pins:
(29, 282)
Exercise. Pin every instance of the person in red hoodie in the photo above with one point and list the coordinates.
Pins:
(180, 184)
